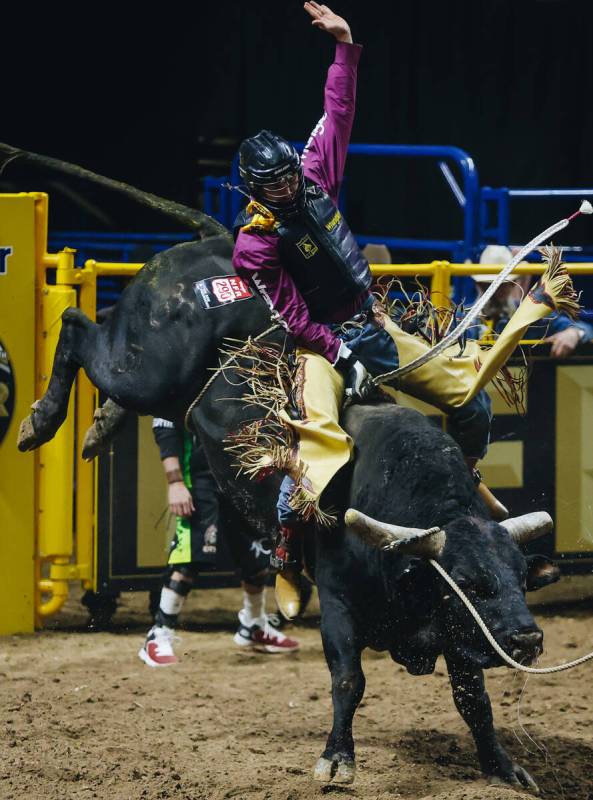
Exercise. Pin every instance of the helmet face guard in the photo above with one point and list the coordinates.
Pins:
(271, 169)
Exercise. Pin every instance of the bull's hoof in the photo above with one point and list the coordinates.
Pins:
(329, 771)
(345, 773)
(27, 438)
(93, 443)
(108, 420)
(516, 777)
(324, 770)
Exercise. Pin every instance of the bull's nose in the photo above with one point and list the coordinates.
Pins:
(527, 644)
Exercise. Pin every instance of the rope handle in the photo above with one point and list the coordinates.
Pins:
(482, 625)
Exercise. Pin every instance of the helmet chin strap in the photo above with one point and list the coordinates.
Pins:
(241, 188)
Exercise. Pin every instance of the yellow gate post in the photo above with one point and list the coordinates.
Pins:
(56, 458)
(17, 388)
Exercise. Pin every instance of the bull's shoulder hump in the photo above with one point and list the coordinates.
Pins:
(206, 257)
(217, 247)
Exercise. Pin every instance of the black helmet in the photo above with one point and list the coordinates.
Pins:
(267, 163)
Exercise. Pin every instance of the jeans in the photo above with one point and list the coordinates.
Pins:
(286, 516)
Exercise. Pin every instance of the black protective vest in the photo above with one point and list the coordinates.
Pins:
(321, 254)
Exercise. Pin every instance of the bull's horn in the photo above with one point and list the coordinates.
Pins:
(412, 541)
(528, 526)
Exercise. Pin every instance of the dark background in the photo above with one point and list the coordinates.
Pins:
(163, 97)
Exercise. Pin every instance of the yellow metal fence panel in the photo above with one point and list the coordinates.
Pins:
(56, 468)
(574, 458)
(17, 387)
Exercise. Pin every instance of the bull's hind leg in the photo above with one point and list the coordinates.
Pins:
(473, 703)
(75, 343)
(342, 653)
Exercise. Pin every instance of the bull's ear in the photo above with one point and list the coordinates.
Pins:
(541, 572)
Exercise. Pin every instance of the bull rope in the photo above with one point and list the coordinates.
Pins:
(217, 371)
(482, 625)
(476, 309)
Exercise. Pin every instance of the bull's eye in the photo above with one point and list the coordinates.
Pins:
(473, 592)
(481, 587)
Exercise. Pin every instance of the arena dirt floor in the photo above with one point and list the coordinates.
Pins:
(84, 718)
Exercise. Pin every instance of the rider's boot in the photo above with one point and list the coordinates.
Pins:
(288, 560)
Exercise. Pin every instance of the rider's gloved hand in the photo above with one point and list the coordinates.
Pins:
(358, 383)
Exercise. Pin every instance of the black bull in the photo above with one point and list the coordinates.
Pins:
(153, 356)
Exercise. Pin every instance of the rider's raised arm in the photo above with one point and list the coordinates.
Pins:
(324, 156)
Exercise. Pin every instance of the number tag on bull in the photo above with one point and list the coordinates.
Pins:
(221, 290)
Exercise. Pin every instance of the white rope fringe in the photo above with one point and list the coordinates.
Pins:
(482, 625)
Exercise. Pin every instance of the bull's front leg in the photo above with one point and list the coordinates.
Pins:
(473, 703)
(76, 340)
(342, 652)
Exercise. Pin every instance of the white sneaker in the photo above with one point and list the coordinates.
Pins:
(157, 650)
(263, 637)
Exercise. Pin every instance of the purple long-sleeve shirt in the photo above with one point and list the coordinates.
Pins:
(256, 256)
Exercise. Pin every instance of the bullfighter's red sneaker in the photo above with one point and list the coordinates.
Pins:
(264, 639)
(157, 650)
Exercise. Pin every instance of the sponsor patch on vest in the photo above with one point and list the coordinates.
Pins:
(333, 221)
(219, 291)
(307, 246)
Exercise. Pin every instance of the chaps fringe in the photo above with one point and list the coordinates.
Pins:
(556, 284)
(269, 444)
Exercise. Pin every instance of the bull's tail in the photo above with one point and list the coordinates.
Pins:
(189, 217)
